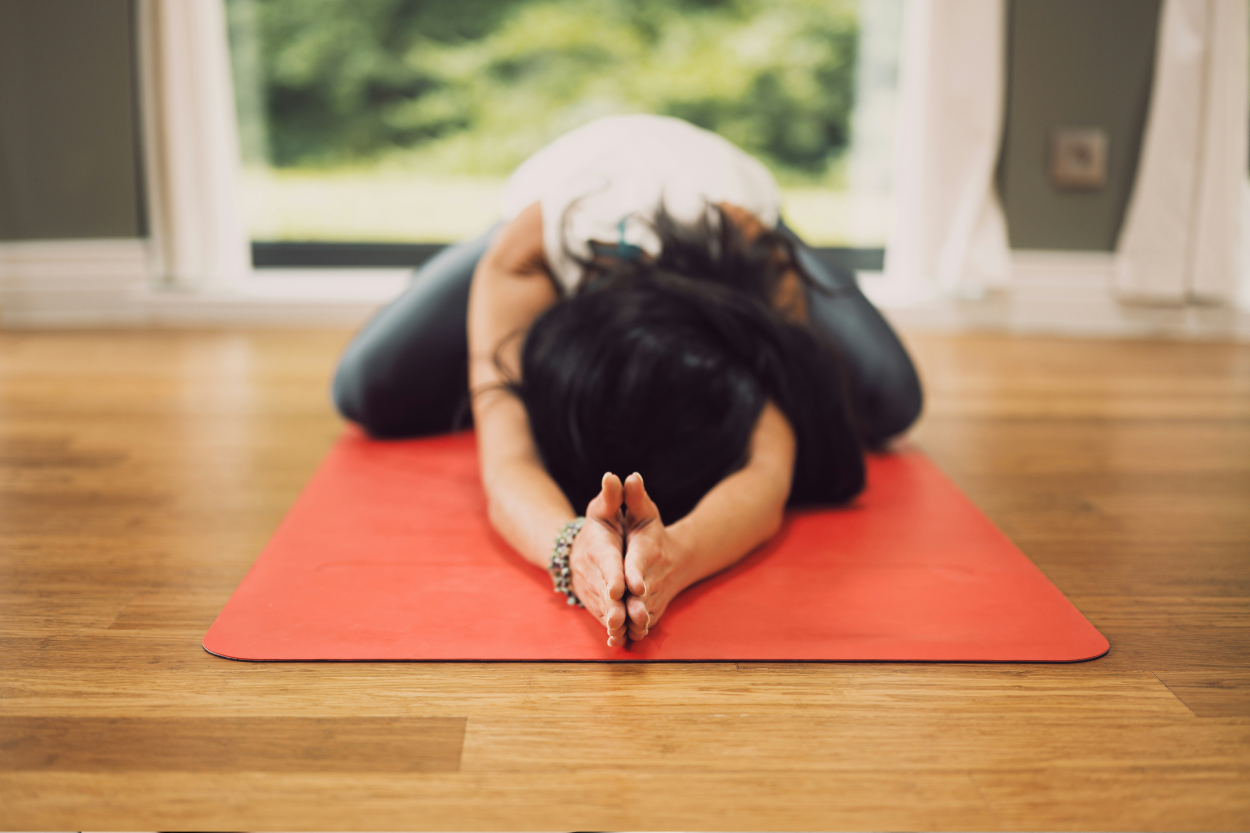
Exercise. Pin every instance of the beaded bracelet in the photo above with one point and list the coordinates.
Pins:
(561, 575)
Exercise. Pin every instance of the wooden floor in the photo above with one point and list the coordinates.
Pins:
(141, 472)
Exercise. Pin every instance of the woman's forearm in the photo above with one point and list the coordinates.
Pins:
(744, 510)
(525, 505)
(527, 508)
(510, 289)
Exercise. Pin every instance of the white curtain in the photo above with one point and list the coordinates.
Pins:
(1243, 254)
(948, 231)
(1181, 238)
(192, 145)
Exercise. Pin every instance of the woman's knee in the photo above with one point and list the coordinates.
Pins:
(351, 391)
(906, 398)
(406, 371)
(394, 399)
(373, 405)
(363, 388)
(892, 402)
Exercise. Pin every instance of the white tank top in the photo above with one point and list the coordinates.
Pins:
(606, 179)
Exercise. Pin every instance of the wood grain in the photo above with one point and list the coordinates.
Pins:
(231, 744)
(141, 473)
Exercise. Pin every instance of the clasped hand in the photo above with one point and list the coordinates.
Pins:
(625, 564)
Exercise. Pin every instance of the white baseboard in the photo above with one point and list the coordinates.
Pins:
(71, 282)
(104, 283)
(283, 298)
(1058, 293)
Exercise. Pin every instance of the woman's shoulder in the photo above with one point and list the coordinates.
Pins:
(646, 137)
(605, 180)
(634, 148)
(630, 126)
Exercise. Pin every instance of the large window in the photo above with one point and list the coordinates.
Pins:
(397, 121)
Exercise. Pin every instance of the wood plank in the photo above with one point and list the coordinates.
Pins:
(1172, 633)
(127, 671)
(1211, 692)
(231, 744)
(170, 610)
(634, 798)
(1142, 796)
(1121, 567)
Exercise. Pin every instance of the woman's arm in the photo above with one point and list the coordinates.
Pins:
(510, 289)
(741, 512)
(790, 299)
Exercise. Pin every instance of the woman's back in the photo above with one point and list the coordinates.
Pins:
(605, 180)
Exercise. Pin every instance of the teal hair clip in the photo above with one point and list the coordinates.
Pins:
(626, 251)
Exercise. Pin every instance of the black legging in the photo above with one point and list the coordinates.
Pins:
(405, 374)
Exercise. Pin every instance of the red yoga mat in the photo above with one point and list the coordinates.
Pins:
(387, 555)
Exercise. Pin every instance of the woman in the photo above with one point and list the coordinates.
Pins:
(649, 345)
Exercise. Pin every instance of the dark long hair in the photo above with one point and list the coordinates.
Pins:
(663, 367)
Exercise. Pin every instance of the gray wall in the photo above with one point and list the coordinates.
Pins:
(1078, 63)
(68, 120)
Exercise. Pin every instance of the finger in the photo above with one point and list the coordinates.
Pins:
(638, 504)
(610, 576)
(614, 616)
(607, 504)
(637, 634)
(639, 615)
(633, 577)
(617, 635)
(595, 587)
(613, 578)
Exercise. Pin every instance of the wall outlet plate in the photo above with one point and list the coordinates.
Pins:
(1078, 158)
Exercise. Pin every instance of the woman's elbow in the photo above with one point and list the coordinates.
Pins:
(775, 521)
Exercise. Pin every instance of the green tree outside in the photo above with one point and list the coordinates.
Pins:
(475, 86)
